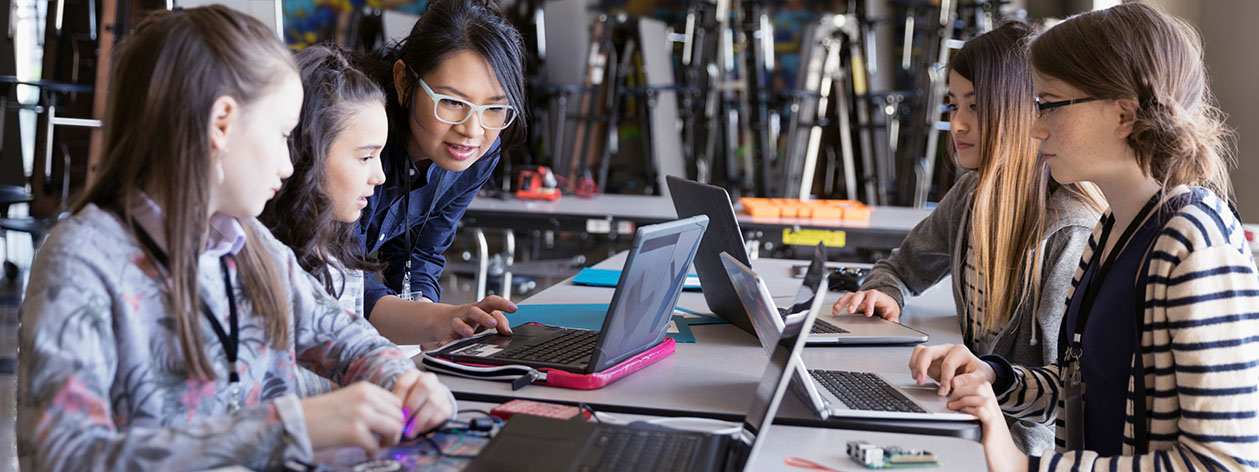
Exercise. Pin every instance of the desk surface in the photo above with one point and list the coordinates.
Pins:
(823, 446)
(711, 377)
(828, 446)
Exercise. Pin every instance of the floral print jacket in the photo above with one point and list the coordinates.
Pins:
(102, 383)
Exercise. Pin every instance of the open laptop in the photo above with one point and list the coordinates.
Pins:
(637, 319)
(537, 443)
(843, 394)
(693, 198)
(848, 329)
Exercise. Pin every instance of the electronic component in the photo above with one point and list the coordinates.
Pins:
(528, 407)
(881, 457)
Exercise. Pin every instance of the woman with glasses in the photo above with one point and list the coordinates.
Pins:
(1158, 365)
(454, 93)
(1007, 233)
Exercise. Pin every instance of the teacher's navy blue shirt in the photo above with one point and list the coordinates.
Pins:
(397, 206)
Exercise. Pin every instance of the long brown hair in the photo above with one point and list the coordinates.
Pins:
(300, 215)
(1009, 207)
(164, 82)
(1138, 53)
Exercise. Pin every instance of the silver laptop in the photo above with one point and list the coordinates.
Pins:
(828, 330)
(831, 393)
(536, 443)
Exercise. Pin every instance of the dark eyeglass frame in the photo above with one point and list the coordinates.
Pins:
(1042, 107)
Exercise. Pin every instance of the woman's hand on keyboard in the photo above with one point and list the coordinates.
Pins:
(869, 302)
(941, 363)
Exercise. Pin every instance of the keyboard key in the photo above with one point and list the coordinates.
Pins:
(865, 391)
(572, 345)
(627, 449)
(822, 327)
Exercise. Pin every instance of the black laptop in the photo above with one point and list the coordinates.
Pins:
(537, 443)
(693, 198)
(637, 319)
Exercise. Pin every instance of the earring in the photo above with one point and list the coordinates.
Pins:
(218, 167)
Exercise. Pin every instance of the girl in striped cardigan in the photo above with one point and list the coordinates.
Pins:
(1159, 355)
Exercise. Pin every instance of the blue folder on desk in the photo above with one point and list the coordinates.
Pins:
(608, 278)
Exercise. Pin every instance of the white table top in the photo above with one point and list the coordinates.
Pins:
(711, 376)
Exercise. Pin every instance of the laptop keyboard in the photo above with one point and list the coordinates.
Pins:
(822, 327)
(633, 450)
(572, 345)
(864, 391)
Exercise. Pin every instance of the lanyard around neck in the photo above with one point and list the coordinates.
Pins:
(1094, 286)
(230, 340)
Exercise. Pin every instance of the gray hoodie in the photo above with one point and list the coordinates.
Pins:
(937, 246)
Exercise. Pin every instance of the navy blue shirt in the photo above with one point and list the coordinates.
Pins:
(396, 207)
(1108, 340)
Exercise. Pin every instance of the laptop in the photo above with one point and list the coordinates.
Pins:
(637, 319)
(844, 329)
(693, 198)
(842, 394)
(536, 443)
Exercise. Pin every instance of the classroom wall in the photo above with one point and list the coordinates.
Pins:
(1229, 36)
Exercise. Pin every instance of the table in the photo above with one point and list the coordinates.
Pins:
(711, 377)
(621, 214)
(824, 446)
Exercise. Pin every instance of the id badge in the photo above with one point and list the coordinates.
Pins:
(1075, 406)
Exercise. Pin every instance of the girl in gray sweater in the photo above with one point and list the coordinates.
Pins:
(1008, 235)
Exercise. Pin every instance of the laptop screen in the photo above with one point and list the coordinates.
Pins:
(758, 301)
(812, 279)
(648, 289)
(773, 385)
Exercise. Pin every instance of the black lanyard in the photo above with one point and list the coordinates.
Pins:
(1094, 286)
(231, 343)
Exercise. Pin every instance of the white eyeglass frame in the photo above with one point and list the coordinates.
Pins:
(477, 109)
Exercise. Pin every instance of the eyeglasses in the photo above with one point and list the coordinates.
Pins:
(452, 110)
(1042, 107)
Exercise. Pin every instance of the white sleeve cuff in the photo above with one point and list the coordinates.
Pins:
(289, 407)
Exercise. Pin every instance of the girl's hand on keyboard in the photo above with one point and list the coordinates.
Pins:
(869, 302)
(941, 363)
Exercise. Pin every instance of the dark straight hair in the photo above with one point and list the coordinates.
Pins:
(165, 80)
(446, 27)
(300, 215)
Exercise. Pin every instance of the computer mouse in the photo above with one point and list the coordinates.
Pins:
(846, 279)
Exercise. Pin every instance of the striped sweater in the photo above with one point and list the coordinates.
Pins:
(1199, 350)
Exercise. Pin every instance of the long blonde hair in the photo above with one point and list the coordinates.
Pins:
(167, 75)
(1009, 206)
